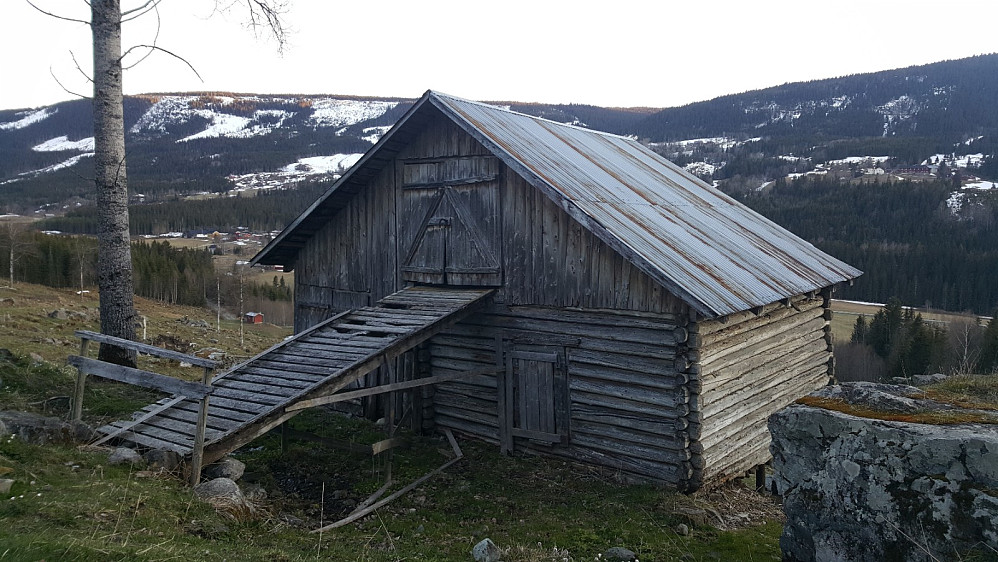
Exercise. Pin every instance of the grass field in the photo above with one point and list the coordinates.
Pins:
(26, 326)
(67, 503)
(845, 314)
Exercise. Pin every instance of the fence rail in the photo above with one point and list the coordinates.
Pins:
(179, 388)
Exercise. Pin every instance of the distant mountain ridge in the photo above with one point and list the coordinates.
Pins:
(185, 143)
(950, 99)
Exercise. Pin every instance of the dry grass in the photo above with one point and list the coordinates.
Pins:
(845, 313)
(931, 417)
(26, 328)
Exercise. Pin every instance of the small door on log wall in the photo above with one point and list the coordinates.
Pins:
(534, 398)
(449, 221)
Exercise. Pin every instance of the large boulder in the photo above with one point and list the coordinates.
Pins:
(42, 430)
(857, 488)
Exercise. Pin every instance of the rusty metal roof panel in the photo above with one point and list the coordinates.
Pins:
(711, 250)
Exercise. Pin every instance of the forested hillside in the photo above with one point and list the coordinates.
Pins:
(945, 100)
(264, 212)
(902, 234)
(893, 171)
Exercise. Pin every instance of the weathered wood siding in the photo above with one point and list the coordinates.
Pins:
(626, 400)
(751, 365)
(351, 262)
(550, 259)
(546, 257)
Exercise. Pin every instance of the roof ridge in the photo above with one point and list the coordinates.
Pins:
(439, 94)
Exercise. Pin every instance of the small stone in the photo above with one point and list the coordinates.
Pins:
(161, 459)
(486, 551)
(683, 530)
(924, 380)
(5, 485)
(254, 492)
(228, 467)
(124, 455)
(36, 358)
(619, 553)
(219, 489)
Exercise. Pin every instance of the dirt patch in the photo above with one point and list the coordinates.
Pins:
(172, 342)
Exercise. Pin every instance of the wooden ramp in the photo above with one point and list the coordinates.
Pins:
(258, 395)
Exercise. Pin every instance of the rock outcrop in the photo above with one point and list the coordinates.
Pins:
(41, 430)
(856, 488)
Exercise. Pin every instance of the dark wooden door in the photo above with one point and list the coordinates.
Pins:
(449, 221)
(535, 398)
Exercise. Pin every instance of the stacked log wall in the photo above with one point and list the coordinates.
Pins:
(751, 364)
(627, 399)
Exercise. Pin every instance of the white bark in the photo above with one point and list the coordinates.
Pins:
(114, 256)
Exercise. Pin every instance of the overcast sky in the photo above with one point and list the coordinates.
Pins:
(657, 53)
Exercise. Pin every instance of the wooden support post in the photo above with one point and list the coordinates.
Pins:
(416, 393)
(81, 382)
(390, 417)
(197, 453)
(760, 478)
(504, 405)
(361, 512)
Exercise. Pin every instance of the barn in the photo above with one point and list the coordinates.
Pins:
(253, 318)
(637, 319)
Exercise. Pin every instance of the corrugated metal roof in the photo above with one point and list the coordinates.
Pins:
(708, 249)
(713, 250)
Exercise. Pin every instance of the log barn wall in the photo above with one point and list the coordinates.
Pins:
(646, 391)
(627, 402)
(751, 365)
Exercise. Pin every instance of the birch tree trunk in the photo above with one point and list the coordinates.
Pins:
(114, 256)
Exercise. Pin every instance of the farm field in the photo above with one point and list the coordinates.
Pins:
(845, 314)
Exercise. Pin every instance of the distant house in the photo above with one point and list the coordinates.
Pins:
(640, 319)
(914, 170)
(253, 318)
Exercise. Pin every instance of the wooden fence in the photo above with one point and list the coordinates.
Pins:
(180, 389)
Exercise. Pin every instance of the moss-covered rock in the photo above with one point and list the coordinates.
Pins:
(870, 488)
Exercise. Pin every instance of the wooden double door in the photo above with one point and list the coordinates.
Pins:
(449, 221)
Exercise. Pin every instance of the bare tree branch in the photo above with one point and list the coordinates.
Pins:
(64, 88)
(149, 6)
(161, 49)
(126, 13)
(56, 16)
(72, 55)
(262, 16)
(155, 40)
(270, 15)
